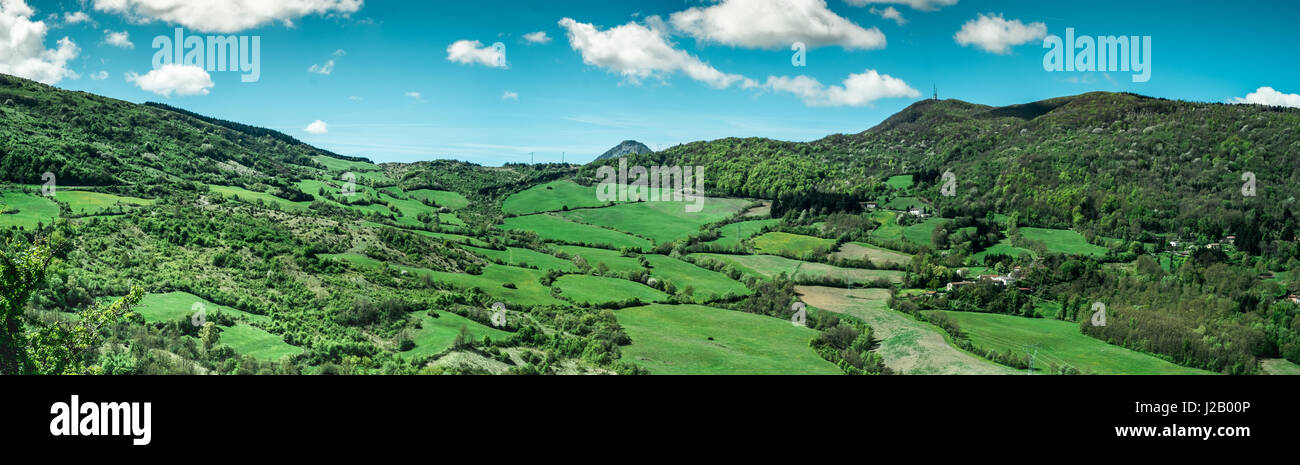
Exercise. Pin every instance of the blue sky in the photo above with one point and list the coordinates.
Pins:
(676, 71)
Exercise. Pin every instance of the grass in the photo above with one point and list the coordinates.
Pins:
(528, 289)
(94, 203)
(1063, 241)
(340, 165)
(1003, 247)
(1279, 366)
(733, 233)
(1059, 342)
(904, 203)
(769, 266)
(596, 290)
(780, 243)
(437, 334)
(694, 339)
(257, 343)
(900, 182)
(554, 228)
(451, 200)
(906, 344)
(454, 238)
(877, 255)
(920, 233)
(245, 195)
(519, 257)
(31, 210)
(172, 306)
(612, 259)
(660, 221)
(706, 284)
(552, 196)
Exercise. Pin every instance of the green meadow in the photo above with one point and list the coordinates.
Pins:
(660, 221)
(28, 210)
(93, 203)
(798, 245)
(769, 266)
(554, 228)
(694, 339)
(705, 284)
(257, 343)
(437, 334)
(1063, 241)
(596, 290)
(552, 196)
(733, 233)
(1059, 342)
(524, 257)
(614, 260)
(171, 306)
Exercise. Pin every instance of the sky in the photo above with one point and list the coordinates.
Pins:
(402, 81)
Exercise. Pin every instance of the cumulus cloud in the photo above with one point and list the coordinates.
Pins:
(470, 52)
(174, 78)
(99, 76)
(1269, 96)
(77, 18)
(637, 52)
(22, 46)
(889, 13)
(538, 37)
(325, 69)
(923, 5)
(855, 91)
(118, 39)
(773, 24)
(340, 52)
(509, 96)
(994, 34)
(225, 16)
(317, 127)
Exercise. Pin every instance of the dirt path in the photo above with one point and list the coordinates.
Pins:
(908, 346)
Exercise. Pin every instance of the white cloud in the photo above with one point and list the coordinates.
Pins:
(637, 52)
(1269, 96)
(923, 5)
(994, 34)
(772, 24)
(225, 16)
(325, 69)
(855, 91)
(118, 39)
(340, 52)
(414, 95)
(509, 96)
(77, 18)
(890, 13)
(99, 76)
(22, 46)
(471, 52)
(174, 78)
(538, 37)
(355, 98)
(317, 127)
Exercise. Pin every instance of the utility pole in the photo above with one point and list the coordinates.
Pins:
(936, 93)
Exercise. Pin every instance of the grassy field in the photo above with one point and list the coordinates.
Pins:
(768, 266)
(907, 345)
(528, 290)
(660, 221)
(437, 334)
(519, 257)
(596, 290)
(1279, 366)
(920, 233)
(612, 259)
(1063, 241)
(552, 196)
(733, 233)
(31, 210)
(453, 238)
(94, 203)
(338, 165)
(790, 244)
(245, 195)
(1003, 247)
(693, 339)
(889, 228)
(1059, 342)
(877, 255)
(707, 285)
(554, 228)
(900, 182)
(173, 306)
(904, 203)
(452, 200)
(257, 343)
